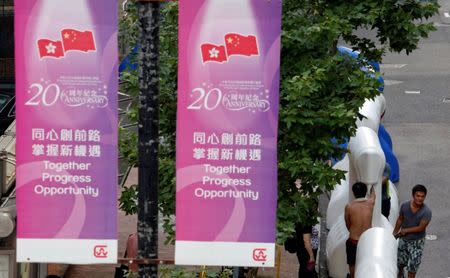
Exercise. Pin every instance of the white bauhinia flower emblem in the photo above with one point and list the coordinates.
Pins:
(214, 53)
(51, 48)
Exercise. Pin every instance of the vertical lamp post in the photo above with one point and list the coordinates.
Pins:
(147, 228)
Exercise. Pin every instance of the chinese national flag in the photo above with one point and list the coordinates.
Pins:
(49, 48)
(76, 40)
(215, 53)
(241, 45)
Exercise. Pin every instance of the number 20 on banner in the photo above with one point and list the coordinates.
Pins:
(48, 95)
(209, 100)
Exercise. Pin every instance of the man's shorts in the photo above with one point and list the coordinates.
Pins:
(410, 253)
(350, 246)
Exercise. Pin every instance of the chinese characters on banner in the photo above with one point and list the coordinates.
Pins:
(66, 98)
(229, 59)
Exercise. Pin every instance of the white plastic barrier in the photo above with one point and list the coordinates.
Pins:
(372, 110)
(365, 152)
(342, 164)
(366, 165)
(395, 207)
(338, 200)
(336, 254)
(339, 195)
(366, 156)
(376, 256)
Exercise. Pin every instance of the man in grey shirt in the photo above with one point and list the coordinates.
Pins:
(410, 227)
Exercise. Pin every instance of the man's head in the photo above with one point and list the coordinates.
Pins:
(419, 192)
(359, 189)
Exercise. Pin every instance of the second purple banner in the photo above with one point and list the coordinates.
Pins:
(229, 59)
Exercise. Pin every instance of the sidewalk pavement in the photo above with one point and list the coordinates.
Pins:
(127, 225)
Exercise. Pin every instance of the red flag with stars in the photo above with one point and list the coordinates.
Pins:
(214, 53)
(49, 48)
(241, 45)
(77, 40)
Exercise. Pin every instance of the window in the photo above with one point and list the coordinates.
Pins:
(7, 41)
(4, 100)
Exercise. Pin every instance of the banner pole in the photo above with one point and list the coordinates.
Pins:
(149, 14)
(278, 260)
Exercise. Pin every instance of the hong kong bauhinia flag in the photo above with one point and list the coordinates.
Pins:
(241, 45)
(214, 53)
(77, 40)
(49, 48)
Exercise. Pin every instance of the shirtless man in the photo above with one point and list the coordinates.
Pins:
(358, 218)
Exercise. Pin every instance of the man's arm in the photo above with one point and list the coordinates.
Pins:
(347, 217)
(398, 224)
(308, 247)
(372, 194)
(417, 229)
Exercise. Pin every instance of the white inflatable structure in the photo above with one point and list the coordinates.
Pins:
(370, 262)
(372, 111)
(364, 163)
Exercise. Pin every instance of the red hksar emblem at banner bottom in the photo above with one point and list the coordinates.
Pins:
(101, 251)
(259, 254)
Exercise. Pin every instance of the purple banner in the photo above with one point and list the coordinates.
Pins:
(229, 54)
(66, 106)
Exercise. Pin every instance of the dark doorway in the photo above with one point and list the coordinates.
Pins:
(6, 42)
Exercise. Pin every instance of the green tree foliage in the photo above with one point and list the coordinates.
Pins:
(321, 92)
